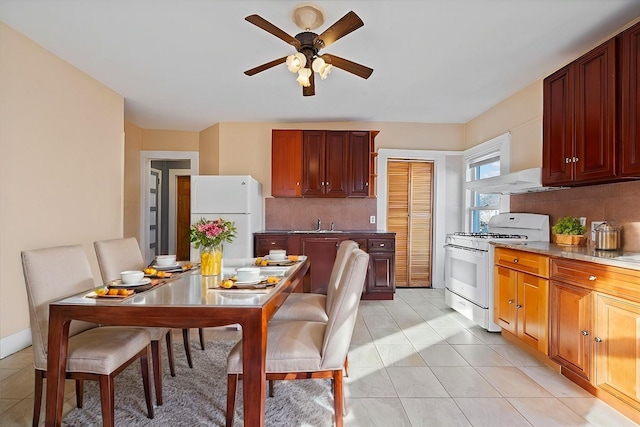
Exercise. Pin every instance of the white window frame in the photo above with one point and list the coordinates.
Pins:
(499, 146)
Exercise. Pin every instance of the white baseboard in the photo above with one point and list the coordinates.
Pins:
(14, 343)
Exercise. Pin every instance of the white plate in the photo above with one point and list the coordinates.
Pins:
(166, 267)
(119, 284)
(252, 282)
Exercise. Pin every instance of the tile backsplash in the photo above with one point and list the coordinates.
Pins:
(347, 214)
(619, 202)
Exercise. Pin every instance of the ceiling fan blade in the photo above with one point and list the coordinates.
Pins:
(341, 28)
(350, 66)
(310, 90)
(260, 22)
(266, 66)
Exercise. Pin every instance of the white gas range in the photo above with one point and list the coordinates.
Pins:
(469, 263)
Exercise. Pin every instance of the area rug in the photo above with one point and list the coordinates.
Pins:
(197, 397)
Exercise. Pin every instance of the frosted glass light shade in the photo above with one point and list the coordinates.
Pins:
(296, 61)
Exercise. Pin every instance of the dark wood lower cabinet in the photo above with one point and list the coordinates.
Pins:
(322, 249)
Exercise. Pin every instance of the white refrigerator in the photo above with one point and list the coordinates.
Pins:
(236, 198)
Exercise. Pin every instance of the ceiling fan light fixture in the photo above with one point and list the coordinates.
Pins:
(321, 67)
(296, 61)
(307, 16)
(303, 77)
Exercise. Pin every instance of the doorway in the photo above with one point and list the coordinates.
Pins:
(409, 215)
(186, 162)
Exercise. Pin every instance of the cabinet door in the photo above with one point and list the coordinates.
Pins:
(506, 285)
(321, 252)
(595, 114)
(570, 327)
(286, 163)
(532, 307)
(630, 156)
(335, 163)
(617, 348)
(557, 145)
(358, 170)
(313, 148)
(381, 273)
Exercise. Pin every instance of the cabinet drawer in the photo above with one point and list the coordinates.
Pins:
(526, 262)
(381, 245)
(615, 281)
(265, 244)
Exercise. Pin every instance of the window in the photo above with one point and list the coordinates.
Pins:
(484, 161)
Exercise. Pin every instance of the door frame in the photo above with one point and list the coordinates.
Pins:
(145, 167)
(439, 221)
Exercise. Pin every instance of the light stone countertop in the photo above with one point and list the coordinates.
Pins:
(582, 253)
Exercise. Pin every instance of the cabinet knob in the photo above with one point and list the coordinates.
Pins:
(510, 301)
(584, 333)
(592, 278)
(597, 339)
(567, 160)
(519, 306)
(515, 260)
(575, 160)
(382, 245)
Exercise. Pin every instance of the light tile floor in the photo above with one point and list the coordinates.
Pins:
(413, 362)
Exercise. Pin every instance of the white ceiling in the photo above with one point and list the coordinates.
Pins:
(179, 63)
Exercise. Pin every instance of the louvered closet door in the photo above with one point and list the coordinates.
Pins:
(409, 216)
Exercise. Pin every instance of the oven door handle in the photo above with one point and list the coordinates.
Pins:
(464, 248)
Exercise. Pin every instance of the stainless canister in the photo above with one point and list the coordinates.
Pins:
(607, 237)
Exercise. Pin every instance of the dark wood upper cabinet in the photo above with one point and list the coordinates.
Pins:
(595, 114)
(557, 149)
(630, 113)
(590, 116)
(358, 168)
(323, 163)
(286, 163)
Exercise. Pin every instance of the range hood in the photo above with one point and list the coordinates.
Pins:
(524, 181)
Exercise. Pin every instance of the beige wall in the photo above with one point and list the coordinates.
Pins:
(61, 166)
(521, 114)
(209, 151)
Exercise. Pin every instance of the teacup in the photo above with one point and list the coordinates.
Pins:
(248, 274)
(130, 277)
(165, 260)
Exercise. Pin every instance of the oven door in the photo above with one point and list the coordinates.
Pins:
(466, 273)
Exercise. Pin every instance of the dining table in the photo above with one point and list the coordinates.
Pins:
(188, 300)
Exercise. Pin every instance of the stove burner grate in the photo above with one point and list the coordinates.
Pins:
(490, 235)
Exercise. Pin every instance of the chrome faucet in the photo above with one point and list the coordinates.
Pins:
(331, 229)
(319, 225)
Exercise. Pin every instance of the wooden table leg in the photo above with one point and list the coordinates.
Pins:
(254, 350)
(56, 365)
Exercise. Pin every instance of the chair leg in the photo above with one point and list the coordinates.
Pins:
(187, 346)
(271, 388)
(201, 335)
(346, 366)
(172, 362)
(157, 370)
(79, 393)
(338, 398)
(232, 386)
(106, 400)
(37, 397)
(146, 383)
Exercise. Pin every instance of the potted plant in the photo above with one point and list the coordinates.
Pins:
(569, 231)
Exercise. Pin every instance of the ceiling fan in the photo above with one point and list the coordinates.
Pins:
(308, 44)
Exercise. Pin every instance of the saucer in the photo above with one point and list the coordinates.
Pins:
(119, 284)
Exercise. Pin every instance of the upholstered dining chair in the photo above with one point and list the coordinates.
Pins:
(299, 349)
(116, 255)
(313, 307)
(94, 353)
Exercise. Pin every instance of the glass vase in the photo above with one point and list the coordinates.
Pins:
(211, 260)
